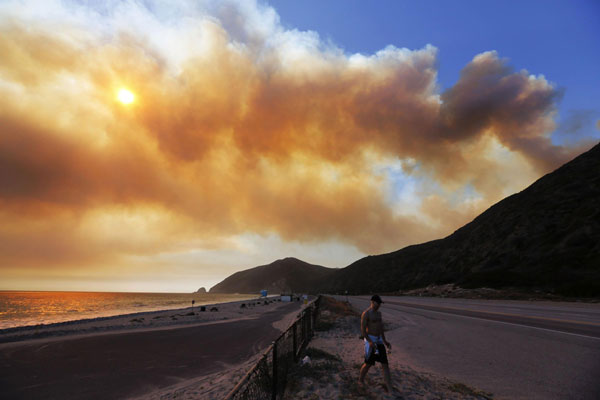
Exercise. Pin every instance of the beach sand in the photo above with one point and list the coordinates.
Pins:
(165, 319)
(55, 356)
(215, 386)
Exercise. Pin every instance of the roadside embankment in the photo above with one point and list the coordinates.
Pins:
(336, 355)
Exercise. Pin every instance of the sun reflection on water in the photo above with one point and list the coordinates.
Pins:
(33, 308)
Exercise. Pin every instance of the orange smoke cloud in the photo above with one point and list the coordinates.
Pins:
(239, 129)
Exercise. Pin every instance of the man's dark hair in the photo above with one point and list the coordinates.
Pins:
(377, 299)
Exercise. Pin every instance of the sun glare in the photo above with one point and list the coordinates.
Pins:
(125, 96)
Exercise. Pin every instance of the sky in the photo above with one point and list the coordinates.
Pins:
(162, 146)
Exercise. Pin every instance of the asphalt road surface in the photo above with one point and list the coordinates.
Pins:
(513, 349)
(121, 365)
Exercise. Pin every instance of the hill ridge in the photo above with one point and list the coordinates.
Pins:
(287, 274)
(546, 235)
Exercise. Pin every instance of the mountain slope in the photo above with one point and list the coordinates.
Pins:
(286, 275)
(547, 236)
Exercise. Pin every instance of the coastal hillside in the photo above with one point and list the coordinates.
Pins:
(285, 275)
(545, 237)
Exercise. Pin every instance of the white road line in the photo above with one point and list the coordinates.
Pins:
(500, 322)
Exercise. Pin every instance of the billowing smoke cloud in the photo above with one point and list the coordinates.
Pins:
(240, 126)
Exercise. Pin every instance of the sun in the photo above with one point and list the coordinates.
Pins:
(125, 96)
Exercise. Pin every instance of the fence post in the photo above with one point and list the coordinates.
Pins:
(304, 329)
(274, 394)
(315, 312)
(310, 324)
(294, 342)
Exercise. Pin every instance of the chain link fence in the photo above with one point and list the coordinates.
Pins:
(267, 379)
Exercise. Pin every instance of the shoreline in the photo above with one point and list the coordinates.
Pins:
(22, 309)
(144, 320)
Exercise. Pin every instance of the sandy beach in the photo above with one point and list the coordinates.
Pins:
(163, 354)
(151, 320)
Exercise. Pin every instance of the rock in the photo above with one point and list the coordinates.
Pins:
(201, 290)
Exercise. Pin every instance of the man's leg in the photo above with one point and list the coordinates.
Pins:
(386, 377)
(363, 372)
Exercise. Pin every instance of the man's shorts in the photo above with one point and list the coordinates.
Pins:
(371, 355)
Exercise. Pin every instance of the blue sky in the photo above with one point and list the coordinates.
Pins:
(557, 39)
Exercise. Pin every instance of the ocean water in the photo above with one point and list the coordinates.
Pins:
(33, 308)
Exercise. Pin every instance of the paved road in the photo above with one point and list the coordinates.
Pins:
(514, 349)
(121, 365)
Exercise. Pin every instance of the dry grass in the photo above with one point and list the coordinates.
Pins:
(337, 308)
(466, 390)
(332, 313)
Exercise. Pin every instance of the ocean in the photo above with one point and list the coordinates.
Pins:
(33, 308)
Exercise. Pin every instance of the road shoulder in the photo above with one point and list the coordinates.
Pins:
(336, 355)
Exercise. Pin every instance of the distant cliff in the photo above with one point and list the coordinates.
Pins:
(547, 236)
(286, 275)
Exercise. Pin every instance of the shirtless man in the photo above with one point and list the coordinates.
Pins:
(371, 327)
